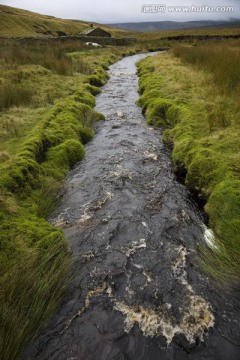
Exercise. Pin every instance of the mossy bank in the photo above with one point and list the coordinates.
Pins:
(201, 123)
(29, 185)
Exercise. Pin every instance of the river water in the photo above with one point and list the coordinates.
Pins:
(134, 231)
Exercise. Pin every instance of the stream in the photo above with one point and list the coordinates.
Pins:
(134, 231)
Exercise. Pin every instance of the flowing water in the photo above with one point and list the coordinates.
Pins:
(134, 232)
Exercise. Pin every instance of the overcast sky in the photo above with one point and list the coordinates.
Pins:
(110, 11)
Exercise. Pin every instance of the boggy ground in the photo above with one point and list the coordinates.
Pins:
(134, 232)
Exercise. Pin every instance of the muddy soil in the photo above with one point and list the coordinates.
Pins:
(134, 231)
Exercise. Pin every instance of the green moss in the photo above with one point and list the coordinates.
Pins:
(62, 157)
(205, 171)
(173, 114)
(86, 134)
(96, 80)
(181, 148)
(156, 112)
(21, 174)
(224, 202)
(94, 90)
(85, 97)
(146, 99)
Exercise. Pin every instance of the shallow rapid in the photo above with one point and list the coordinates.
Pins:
(134, 231)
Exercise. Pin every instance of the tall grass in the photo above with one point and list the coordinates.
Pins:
(83, 67)
(222, 59)
(29, 297)
(51, 55)
(14, 95)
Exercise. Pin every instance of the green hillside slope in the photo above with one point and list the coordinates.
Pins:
(21, 23)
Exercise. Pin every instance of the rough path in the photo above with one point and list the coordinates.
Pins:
(134, 231)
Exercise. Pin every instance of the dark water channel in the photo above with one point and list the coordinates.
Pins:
(134, 231)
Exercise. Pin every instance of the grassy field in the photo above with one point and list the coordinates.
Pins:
(192, 37)
(194, 92)
(202, 32)
(222, 60)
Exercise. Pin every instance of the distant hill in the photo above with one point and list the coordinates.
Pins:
(21, 23)
(174, 25)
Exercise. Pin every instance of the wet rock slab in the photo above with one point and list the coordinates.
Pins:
(133, 231)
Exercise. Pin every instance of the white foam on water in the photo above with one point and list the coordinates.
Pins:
(209, 238)
(197, 316)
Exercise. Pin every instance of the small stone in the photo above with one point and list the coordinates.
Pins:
(120, 114)
(104, 220)
(150, 157)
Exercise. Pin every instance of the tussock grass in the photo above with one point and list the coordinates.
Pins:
(9, 125)
(31, 293)
(50, 55)
(18, 115)
(201, 124)
(4, 156)
(83, 67)
(14, 95)
(89, 118)
(47, 197)
(222, 59)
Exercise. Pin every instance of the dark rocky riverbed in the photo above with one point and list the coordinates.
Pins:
(134, 231)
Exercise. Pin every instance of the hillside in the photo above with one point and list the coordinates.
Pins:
(21, 23)
(174, 25)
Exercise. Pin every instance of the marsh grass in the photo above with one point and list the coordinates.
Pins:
(48, 197)
(221, 264)
(4, 156)
(221, 59)
(30, 294)
(83, 67)
(15, 95)
(9, 126)
(89, 118)
(217, 116)
(52, 56)
(27, 89)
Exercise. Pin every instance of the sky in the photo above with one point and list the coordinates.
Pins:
(112, 11)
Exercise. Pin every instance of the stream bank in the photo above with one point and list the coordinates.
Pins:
(134, 230)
